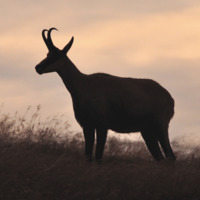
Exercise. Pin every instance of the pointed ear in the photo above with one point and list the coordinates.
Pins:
(68, 46)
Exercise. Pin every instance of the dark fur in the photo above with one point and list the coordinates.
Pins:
(124, 105)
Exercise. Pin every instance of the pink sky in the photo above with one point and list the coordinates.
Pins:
(142, 39)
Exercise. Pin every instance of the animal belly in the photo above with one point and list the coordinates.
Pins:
(126, 124)
(125, 117)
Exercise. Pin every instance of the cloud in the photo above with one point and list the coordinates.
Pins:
(143, 40)
(17, 95)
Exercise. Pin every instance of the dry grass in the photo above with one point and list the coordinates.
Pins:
(44, 161)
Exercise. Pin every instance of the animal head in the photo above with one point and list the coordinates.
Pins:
(55, 56)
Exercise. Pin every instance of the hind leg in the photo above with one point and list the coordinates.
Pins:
(165, 144)
(101, 140)
(152, 144)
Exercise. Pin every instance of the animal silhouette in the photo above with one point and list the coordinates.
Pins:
(102, 102)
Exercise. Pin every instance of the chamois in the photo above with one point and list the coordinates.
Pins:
(102, 102)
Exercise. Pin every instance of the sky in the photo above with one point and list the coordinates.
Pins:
(154, 39)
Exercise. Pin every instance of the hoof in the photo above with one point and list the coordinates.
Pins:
(171, 158)
(99, 161)
(88, 158)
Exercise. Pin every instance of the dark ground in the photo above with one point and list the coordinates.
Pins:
(36, 163)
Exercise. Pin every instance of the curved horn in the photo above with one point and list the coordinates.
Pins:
(68, 46)
(44, 37)
(50, 43)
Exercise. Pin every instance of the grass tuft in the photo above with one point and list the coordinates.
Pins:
(44, 160)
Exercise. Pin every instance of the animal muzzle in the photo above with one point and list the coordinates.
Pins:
(39, 69)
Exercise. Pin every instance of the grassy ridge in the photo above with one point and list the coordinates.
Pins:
(38, 163)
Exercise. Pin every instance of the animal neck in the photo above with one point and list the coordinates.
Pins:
(70, 75)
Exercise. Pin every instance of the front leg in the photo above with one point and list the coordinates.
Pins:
(89, 142)
(101, 140)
